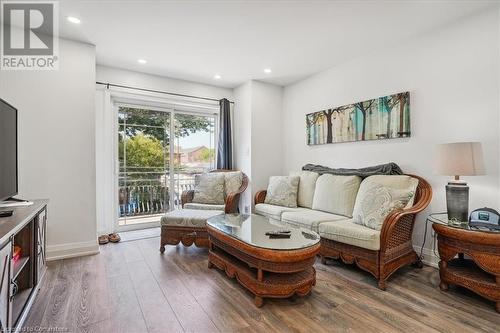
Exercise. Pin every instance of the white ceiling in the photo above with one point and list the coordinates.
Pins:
(193, 40)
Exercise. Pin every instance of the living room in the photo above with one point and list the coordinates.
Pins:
(222, 166)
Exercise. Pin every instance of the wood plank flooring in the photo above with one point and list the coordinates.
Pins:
(131, 287)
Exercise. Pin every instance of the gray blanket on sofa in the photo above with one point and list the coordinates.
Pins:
(383, 169)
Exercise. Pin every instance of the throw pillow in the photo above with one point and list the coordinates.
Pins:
(336, 194)
(377, 201)
(282, 191)
(307, 184)
(209, 188)
(233, 181)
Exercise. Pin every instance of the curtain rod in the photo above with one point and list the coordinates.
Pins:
(157, 91)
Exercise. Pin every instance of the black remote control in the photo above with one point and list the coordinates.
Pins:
(6, 213)
(279, 234)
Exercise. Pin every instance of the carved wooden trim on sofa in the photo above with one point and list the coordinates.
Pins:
(232, 199)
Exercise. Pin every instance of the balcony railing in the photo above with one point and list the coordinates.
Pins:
(151, 196)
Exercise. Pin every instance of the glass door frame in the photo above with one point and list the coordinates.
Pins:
(172, 110)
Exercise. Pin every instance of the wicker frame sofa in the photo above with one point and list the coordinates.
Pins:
(395, 249)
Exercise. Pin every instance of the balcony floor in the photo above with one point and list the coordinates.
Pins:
(134, 220)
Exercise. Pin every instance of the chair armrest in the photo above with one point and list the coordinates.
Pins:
(260, 196)
(186, 197)
(232, 202)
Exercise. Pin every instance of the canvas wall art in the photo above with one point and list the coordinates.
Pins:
(385, 117)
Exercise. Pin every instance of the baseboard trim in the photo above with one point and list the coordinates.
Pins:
(71, 250)
(428, 256)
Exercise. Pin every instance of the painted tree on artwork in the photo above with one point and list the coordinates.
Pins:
(311, 120)
(403, 99)
(389, 102)
(329, 130)
(364, 107)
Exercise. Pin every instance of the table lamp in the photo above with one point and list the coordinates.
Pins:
(459, 159)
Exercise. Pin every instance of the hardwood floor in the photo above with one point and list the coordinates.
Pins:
(131, 287)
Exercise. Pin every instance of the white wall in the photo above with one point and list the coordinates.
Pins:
(141, 80)
(453, 78)
(266, 133)
(258, 134)
(105, 125)
(56, 145)
(242, 133)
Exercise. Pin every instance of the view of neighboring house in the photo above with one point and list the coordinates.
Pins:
(192, 155)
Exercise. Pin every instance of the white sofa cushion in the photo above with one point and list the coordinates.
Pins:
(308, 218)
(233, 181)
(307, 184)
(345, 231)
(194, 205)
(273, 211)
(381, 195)
(209, 188)
(336, 194)
(282, 191)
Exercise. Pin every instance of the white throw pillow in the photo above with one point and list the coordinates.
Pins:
(233, 181)
(379, 196)
(336, 194)
(209, 188)
(307, 185)
(282, 191)
(397, 182)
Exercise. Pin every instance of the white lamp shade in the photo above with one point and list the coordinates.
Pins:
(459, 159)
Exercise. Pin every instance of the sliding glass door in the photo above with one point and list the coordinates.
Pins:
(194, 150)
(153, 169)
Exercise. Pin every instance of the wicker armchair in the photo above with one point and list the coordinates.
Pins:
(396, 249)
(232, 199)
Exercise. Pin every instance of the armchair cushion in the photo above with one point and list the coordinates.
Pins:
(336, 194)
(308, 218)
(381, 195)
(273, 211)
(188, 217)
(209, 188)
(345, 231)
(194, 205)
(307, 184)
(232, 181)
(282, 191)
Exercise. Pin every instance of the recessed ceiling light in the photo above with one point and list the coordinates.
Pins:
(267, 70)
(217, 77)
(74, 20)
(142, 61)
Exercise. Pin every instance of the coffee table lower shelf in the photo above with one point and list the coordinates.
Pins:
(271, 285)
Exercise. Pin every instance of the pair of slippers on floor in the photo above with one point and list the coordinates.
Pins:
(105, 239)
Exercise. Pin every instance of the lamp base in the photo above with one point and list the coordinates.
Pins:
(457, 201)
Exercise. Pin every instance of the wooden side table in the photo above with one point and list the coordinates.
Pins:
(480, 273)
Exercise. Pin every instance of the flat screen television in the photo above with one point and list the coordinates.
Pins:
(8, 150)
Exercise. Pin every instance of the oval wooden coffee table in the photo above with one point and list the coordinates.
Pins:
(268, 268)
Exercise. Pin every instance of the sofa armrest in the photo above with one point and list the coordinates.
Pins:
(260, 196)
(186, 197)
(397, 229)
(232, 202)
